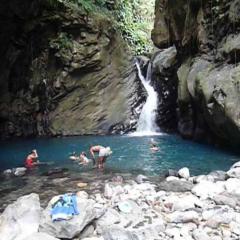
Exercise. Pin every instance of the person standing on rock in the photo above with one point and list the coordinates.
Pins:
(31, 159)
(103, 153)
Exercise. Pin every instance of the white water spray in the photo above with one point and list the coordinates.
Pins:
(146, 122)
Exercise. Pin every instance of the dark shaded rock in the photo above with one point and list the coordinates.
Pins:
(175, 186)
(171, 172)
(206, 36)
(164, 80)
(59, 64)
(56, 173)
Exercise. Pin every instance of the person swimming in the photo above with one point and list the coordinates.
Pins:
(83, 158)
(153, 145)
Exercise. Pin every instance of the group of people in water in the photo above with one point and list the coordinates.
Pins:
(99, 161)
(102, 154)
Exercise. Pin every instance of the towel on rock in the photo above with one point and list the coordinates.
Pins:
(64, 208)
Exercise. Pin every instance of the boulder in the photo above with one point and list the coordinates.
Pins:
(175, 186)
(141, 178)
(21, 218)
(232, 186)
(7, 172)
(235, 165)
(18, 172)
(225, 199)
(199, 234)
(93, 238)
(216, 216)
(218, 175)
(207, 189)
(183, 217)
(110, 218)
(171, 172)
(88, 210)
(40, 236)
(182, 203)
(119, 234)
(234, 173)
(172, 178)
(184, 173)
(87, 231)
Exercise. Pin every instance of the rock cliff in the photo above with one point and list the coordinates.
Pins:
(206, 34)
(63, 71)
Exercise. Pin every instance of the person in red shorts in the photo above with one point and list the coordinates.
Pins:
(31, 159)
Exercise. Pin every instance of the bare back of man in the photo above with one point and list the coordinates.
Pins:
(93, 150)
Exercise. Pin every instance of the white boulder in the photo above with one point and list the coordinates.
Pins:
(183, 217)
(40, 236)
(184, 173)
(20, 219)
(88, 211)
(232, 186)
(18, 172)
(207, 189)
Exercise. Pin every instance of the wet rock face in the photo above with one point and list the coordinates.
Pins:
(164, 64)
(63, 72)
(206, 35)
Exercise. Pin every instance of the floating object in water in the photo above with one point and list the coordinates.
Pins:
(74, 158)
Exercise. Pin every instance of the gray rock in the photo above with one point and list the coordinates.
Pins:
(172, 173)
(110, 218)
(218, 175)
(40, 236)
(119, 234)
(20, 219)
(7, 172)
(141, 178)
(87, 231)
(236, 165)
(232, 186)
(21, 171)
(175, 186)
(165, 59)
(199, 234)
(234, 173)
(207, 189)
(225, 199)
(74, 226)
(183, 217)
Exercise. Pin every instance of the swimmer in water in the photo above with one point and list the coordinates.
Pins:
(153, 146)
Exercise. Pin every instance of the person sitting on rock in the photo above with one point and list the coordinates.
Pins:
(103, 153)
(31, 159)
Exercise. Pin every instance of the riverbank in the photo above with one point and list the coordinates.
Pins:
(119, 207)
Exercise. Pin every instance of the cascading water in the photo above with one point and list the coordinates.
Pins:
(146, 123)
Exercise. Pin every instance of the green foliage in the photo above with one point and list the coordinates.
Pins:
(135, 20)
(62, 42)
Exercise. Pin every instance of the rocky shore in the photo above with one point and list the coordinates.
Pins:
(180, 207)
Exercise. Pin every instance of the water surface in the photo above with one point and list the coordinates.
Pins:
(130, 154)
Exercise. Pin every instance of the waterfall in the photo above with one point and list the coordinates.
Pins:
(147, 120)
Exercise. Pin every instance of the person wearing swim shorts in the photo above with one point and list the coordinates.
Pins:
(103, 153)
